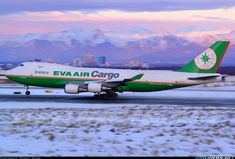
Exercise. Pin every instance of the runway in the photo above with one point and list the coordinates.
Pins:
(117, 100)
(193, 96)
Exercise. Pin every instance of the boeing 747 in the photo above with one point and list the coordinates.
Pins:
(74, 80)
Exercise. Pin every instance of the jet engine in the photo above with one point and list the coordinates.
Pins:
(94, 87)
(89, 87)
(71, 88)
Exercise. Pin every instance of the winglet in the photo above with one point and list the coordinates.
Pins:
(137, 77)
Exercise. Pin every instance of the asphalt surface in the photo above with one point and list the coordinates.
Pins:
(189, 96)
(123, 99)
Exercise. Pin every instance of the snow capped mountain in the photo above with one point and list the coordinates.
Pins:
(132, 31)
(96, 36)
(136, 43)
(27, 37)
(134, 34)
(90, 37)
(87, 37)
(20, 38)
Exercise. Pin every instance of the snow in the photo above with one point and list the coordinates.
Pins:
(127, 130)
(133, 34)
(43, 128)
(84, 36)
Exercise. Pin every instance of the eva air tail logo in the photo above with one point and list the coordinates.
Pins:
(206, 60)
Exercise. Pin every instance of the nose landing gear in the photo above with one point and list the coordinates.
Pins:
(27, 92)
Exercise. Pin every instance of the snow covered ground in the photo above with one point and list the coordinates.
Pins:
(116, 129)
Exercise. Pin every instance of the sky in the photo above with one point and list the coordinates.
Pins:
(191, 18)
(200, 21)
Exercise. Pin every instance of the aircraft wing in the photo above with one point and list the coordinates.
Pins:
(115, 83)
(207, 77)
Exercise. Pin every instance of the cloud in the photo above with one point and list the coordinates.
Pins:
(210, 18)
(16, 6)
(115, 15)
(167, 21)
(193, 28)
(194, 34)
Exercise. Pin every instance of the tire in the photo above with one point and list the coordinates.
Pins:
(27, 93)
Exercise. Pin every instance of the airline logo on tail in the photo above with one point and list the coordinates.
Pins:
(206, 60)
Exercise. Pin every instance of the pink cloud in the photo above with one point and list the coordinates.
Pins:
(161, 22)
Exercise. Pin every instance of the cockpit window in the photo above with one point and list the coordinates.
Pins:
(21, 64)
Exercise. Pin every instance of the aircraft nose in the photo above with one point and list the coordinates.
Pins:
(3, 73)
(8, 72)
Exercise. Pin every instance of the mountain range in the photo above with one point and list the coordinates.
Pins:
(118, 46)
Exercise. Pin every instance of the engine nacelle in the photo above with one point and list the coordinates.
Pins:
(90, 87)
(71, 88)
(94, 87)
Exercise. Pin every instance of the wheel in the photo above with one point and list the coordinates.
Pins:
(27, 93)
(111, 94)
(106, 95)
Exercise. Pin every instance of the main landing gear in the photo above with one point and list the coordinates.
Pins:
(27, 92)
(106, 94)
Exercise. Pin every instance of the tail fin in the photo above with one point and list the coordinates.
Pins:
(209, 60)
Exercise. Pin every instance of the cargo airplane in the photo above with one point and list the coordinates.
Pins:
(202, 69)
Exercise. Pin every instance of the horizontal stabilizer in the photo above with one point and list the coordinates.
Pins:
(204, 77)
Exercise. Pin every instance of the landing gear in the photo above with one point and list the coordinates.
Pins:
(27, 91)
(106, 94)
(111, 94)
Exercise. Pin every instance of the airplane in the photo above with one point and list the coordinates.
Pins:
(74, 80)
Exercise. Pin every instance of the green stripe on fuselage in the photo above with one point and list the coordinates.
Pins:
(44, 82)
(148, 87)
(60, 83)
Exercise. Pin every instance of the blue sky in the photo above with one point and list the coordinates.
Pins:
(16, 6)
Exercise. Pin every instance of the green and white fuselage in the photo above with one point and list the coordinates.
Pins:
(55, 75)
(82, 79)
